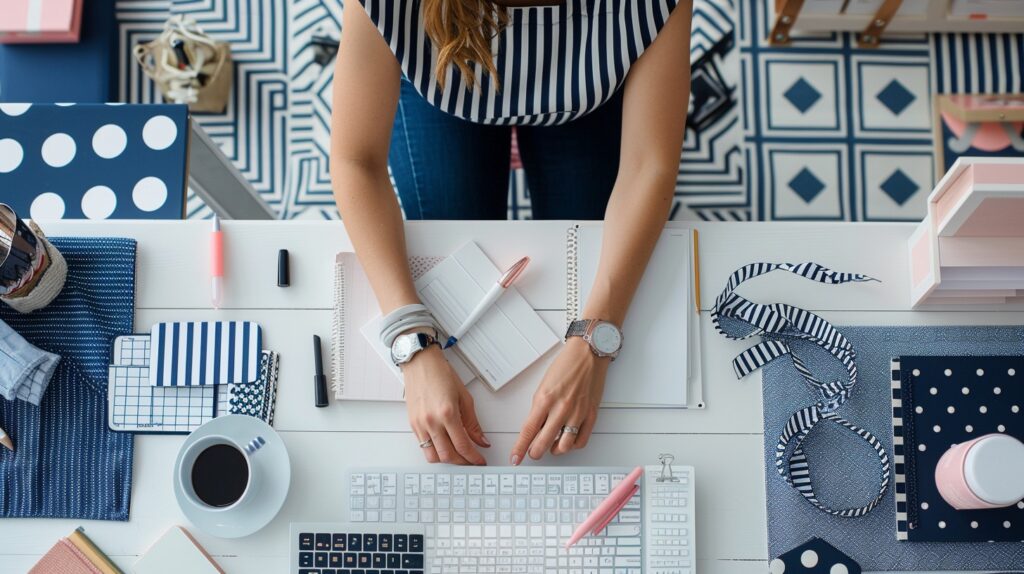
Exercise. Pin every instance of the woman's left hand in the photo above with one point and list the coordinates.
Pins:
(568, 396)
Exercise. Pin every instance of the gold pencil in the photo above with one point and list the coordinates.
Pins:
(6, 440)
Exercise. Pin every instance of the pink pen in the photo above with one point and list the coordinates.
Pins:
(217, 262)
(609, 507)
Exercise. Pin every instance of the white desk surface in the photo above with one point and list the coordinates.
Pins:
(723, 442)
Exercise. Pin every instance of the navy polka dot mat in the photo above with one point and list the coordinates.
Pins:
(845, 471)
(94, 161)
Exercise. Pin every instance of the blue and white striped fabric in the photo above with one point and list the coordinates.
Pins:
(205, 353)
(556, 63)
(778, 325)
(67, 463)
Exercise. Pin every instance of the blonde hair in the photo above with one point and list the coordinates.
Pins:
(462, 31)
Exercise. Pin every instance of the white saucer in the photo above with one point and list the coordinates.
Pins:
(273, 465)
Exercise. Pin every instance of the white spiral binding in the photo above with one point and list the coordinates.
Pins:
(572, 272)
(338, 332)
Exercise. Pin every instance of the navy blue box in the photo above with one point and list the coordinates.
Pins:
(94, 161)
(82, 72)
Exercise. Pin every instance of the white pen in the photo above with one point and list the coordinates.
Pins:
(489, 299)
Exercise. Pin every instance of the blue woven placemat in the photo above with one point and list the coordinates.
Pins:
(67, 463)
(844, 469)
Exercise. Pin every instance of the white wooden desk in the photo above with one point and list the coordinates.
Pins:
(723, 442)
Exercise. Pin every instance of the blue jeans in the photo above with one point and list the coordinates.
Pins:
(449, 168)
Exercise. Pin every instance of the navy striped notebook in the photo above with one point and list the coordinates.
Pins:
(205, 353)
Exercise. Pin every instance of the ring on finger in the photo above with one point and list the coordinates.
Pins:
(574, 430)
(427, 443)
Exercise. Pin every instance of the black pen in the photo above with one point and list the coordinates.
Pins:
(319, 380)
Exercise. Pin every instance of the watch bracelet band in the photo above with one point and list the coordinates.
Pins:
(578, 328)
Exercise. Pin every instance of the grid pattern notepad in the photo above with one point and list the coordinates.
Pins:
(137, 406)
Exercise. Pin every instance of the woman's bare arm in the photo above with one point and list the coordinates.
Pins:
(654, 109)
(366, 88)
(655, 102)
(367, 81)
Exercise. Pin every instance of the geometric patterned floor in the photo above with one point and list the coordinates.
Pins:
(820, 130)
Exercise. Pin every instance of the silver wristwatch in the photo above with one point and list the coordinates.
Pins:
(406, 346)
(604, 338)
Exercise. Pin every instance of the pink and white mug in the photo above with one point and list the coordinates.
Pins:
(987, 472)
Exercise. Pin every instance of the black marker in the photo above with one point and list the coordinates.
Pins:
(319, 380)
(283, 272)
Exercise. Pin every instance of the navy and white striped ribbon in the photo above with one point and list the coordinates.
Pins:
(779, 324)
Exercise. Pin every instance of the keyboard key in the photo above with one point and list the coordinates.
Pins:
(365, 560)
(415, 545)
(321, 559)
(384, 542)
(350, 559)
(412, 561)
(370, 542)
(306, 541)
(323, 541)
(394, 561)
(401, 543)
(336, 560)
(379, 560)
(355, 542)
(305, 559)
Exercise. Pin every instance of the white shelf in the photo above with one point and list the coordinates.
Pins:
(937, 19)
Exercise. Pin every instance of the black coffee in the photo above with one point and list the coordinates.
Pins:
(220, 475)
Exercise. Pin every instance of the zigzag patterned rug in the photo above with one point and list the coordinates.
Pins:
(820, 132)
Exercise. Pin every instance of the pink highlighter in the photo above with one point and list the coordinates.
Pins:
(217, 263)
(609, 507)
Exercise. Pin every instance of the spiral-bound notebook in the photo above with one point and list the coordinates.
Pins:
(658, 367)
(660, 361)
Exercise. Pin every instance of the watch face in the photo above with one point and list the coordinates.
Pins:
(402, 348)
(606, 338)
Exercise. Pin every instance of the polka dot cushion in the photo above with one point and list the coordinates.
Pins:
(94, 161)
(940, 401)
(814, 557)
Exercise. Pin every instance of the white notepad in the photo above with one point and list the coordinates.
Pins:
(661, 331)
(176, 552)
(503, 343)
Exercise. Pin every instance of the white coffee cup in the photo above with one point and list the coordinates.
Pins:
(185, 476)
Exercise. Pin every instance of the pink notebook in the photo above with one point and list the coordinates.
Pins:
(64, 558)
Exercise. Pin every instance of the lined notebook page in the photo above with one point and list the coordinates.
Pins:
(508, 338)
(652, 369)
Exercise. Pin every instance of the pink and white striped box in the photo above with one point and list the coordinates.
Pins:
(40, 21)
(970, 247)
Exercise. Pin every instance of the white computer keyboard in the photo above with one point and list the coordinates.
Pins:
(517, 520)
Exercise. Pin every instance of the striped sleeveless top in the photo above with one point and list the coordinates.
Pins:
(556, 63)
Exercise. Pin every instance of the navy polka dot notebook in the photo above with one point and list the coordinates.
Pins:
(939, 401)
(94, 161)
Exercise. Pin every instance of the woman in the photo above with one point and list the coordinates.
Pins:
(598, 90)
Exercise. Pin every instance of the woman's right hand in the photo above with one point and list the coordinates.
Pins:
(441, 410)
